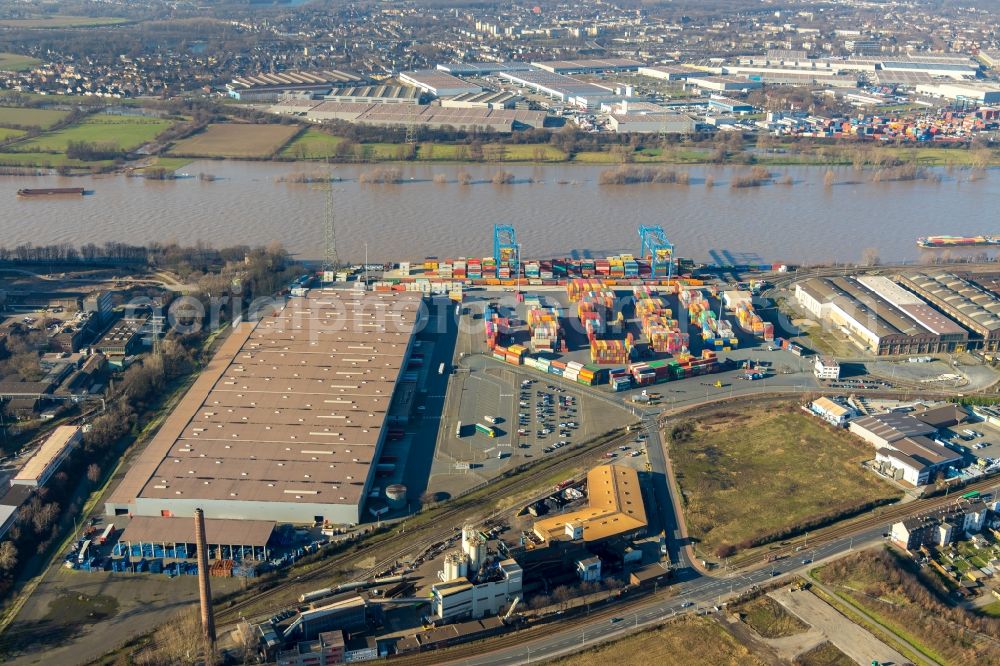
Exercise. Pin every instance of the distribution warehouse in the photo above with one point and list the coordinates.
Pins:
(881, 315)
(287, 421)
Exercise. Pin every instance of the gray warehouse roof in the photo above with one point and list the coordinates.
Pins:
(291, 408)
(958, 297)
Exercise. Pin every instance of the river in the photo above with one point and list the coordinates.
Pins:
(557, 210)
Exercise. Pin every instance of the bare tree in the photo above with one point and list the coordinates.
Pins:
(8, 556)
(562, 595)
(870, 257)
(93, 472)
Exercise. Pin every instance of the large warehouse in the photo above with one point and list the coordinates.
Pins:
(288, 420)
(975, 308)
(880, 315)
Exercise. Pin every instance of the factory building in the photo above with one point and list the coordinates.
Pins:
(672, 72)
(880, 316)
(915, 460)
(650, 123)
(975, 308)
(982, 93)
(833, 412)
(149, 536)
(615, 508)
(288, 421)
(963, 69)
(123, 339)
(725, 83)
(563, 88)
(271, 87)
(375, 95)
(482, 68)
(726, 105)
(882, 430)
(396, 115)
(438, 83)
(483, 100)
(589, 66)
(49, 456)
(473, 584)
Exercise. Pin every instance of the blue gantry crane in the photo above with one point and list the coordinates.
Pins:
(658, 250)
(506, 251)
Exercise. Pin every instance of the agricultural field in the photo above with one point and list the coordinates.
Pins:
(752, 476)
(15, 62)
(10, 133)
(46, 160)
(897, 601)
(236, 140)
(311, 145)
(692, 641)
(124, 132)
(11, 116)
(769, 618)
(42, 22)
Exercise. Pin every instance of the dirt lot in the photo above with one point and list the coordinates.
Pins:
(751, 474)
(844, 634)
(236, 140)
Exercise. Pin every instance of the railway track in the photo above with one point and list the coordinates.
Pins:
(418, 538)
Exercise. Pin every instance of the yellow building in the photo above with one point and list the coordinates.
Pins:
(614, 508)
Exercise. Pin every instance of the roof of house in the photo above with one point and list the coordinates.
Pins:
(614, 507)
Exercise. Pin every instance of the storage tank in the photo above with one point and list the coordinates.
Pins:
(454, 566)
(396, 494)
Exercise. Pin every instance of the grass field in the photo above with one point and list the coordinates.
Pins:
(769, 619)
(755, 473)
(824, 654)
(61, 22)
(9, 133)
(15, 62)
(692, 641)
(126, 132)
(236, 140)
(22, 117)
(990, 610)
(311, 145)
(901, 604)
(45, 160)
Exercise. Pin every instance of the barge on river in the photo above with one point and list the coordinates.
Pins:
(50, 191)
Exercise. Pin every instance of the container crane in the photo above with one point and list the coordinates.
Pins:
(658, 249)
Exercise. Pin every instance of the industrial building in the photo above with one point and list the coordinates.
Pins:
(727, 105)
(157, 536)
(288, 420)
(941, 527)
(483, 100)
(970, 305)
(615, 508)
(915, 460)
(438, 83)
(474, 585)
(502, 121)
(49, 456)
(651, 123)
(270, 87)
(672, 72)
(482, 68)
(725, 83)
(122, 339)
(881, 430)
(563, 88)
(981, 93)
(376, 95)
(833, 412)
(880, 316)
(589, 66)
(826, 367)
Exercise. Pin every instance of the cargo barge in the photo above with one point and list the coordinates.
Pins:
(50, 191)
(957, 241)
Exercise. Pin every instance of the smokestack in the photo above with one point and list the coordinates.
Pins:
(204, 589)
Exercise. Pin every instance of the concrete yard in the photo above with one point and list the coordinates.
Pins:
(852, 640)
